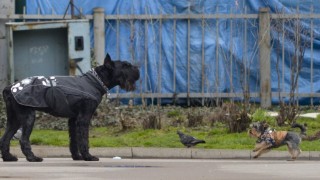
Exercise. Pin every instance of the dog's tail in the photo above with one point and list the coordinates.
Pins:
(6, 93)
(302, 128)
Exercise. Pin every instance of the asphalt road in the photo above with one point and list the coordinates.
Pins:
(154, 169)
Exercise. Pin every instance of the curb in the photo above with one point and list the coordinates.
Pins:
(164, 153)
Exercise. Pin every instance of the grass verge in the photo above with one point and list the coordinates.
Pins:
(216, 137)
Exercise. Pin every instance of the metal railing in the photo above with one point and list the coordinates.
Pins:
(147, 18)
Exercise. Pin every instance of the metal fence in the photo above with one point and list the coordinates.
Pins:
(160, 18)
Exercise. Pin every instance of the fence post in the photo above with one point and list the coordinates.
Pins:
(264, 50)
(99, 34)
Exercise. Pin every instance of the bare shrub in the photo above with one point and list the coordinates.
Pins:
(178, 121)
(230, 114)
(194, 120)
(127, 122)
(176, 118)
(151, 122)
(240, 124)
(295, 34)
(216, 117)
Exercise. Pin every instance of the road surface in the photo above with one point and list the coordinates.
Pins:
(166, 169)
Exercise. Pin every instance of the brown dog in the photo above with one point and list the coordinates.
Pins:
(269, 139)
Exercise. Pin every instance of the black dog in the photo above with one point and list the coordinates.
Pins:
(75, 98)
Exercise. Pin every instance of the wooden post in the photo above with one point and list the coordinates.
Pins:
(264, 50)
(99, 34)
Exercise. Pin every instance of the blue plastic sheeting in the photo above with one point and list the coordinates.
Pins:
(135, 43)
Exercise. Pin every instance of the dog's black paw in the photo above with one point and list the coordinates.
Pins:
(35, 159)
(77, 157)
(9, 158)
(91, 158)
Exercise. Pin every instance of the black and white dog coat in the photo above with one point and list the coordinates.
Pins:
(59, 93)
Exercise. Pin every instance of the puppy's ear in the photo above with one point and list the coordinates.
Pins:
(108, 62)
(264, 122)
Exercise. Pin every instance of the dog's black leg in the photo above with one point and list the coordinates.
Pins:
(83, 135)
(73, 140)
(28, 118)
(5, 143)
(12, 126)
(82, 124)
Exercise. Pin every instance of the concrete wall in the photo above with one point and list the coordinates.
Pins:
(6, 7)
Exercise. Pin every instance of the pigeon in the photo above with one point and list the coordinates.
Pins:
(17, 135)
(189, 141)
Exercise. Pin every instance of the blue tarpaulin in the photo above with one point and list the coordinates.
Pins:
(241, 59)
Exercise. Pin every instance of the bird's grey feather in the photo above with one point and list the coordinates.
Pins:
(188, 140)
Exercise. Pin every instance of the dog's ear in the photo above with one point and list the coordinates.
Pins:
(107, 59)
(108, 62)
(264, 125)
(264, 122)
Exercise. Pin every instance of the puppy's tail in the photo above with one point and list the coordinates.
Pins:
(302, 128)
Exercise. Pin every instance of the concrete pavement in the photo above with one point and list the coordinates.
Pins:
(162, 169)
(164, 153)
